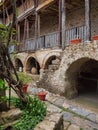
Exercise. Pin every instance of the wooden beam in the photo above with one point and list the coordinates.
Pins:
(87, 20)
(44, 4)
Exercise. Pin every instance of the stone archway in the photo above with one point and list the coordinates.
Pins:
(81, 77)
(32, 66)
(50, 57)
(49, 61)
(18, 65)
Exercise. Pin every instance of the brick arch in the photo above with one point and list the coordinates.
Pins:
(49, 57)
(18, 64)
(32, 65)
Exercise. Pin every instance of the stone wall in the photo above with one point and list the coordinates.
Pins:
(64, 79)
(53, 121)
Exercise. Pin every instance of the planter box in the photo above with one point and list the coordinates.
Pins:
(76, 41)
(42, 95)
(95, 37)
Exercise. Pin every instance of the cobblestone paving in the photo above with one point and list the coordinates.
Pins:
(75, 117)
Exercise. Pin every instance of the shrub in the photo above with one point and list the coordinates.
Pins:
(33, 113)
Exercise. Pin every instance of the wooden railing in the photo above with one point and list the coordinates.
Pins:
(76, 32)
(51, 40)
(30, 45)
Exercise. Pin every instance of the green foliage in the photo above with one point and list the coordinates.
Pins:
(2, 85)
(25, 78)
(1, 128)
(33, 113)
(4, 32)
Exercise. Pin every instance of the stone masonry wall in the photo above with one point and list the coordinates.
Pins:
(59, 81)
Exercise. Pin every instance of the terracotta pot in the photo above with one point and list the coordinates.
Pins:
(42, 95)
(76, 41)
(24, 88)
(95, 37)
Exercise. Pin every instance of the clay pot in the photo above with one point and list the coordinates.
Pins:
(95, 37)
(34, 70)
(42, 95)
(76, 41)
(24, 88)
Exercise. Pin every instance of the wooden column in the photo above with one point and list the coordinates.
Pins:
(63, 24)
(18, 32)
(87, 20)
(37, 28)
(27, 36)
(60, 27)
(38, 25)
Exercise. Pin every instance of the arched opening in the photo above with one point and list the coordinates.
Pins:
(49, 62)
(82, 80)
(88, 77)
(32, 66)
(18, 65)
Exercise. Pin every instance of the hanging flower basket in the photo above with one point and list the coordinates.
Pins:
(76, 41)
(95, 37)
(24, 88)
(42, 95)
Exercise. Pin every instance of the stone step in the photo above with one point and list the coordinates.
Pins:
(10, 116)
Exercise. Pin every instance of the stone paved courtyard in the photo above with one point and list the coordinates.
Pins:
(75, 117)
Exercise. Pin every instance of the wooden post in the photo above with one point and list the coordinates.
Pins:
(18, 32)
(63, 24)
(27, 36)
(37, 28)
(87, 20)
(60, 28)
(38, 25)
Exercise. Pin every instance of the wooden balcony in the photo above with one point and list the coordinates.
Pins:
(51, 40)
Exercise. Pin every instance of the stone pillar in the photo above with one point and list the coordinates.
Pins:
(88, 20)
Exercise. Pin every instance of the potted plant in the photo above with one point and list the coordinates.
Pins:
(76, 41)
(42, 95)
(95, 37)
(25, 80)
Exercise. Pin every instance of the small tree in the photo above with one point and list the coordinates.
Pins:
(7, 68)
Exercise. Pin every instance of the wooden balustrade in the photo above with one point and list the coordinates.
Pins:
(51, 40)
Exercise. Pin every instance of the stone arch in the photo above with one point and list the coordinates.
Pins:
(78, 74)
(49, 58)
(18, 65)
(32, 66)
(49, 61)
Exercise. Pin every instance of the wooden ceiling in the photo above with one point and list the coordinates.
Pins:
(70, 5)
